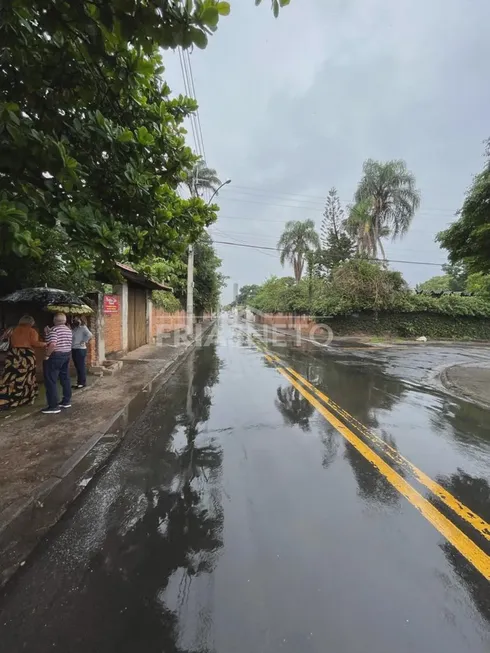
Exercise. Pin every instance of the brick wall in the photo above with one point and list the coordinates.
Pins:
(286, 321)
(163, 322)
(112, 332)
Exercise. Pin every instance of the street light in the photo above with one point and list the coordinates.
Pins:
(228, 181)
(190, 275)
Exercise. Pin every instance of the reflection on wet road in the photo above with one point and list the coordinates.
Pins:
(236, 518)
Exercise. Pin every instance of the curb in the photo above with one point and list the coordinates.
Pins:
(458, 391)
(26, 522)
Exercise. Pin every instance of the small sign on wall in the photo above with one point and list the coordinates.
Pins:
(111, 304)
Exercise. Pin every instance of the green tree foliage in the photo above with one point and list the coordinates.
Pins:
(171, 271)
(200, 177)
(361, 285)
(166, 301)
(468, 239)
(435, 284)
(208, 281)
(50, 268)
(297, 241)
(458, 274)
(246, 294)
(275, 295)
(385, 203)
(361, 226)
(91, 144)
(454, 280)
(358, 286)
(276, 5)
(479, 284)
(432, 323)
(336, 244)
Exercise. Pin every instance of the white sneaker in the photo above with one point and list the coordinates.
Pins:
(51, 411)
(64, 406)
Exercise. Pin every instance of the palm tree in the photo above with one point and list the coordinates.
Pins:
(201, 177)
(360, 225)
(296, 242)
(390, 189)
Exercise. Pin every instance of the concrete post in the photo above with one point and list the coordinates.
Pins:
(149, 318)
(190, 291)
(100, 331)
(122, 291)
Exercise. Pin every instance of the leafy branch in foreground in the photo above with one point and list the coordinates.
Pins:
(275, 4)
(468, 239)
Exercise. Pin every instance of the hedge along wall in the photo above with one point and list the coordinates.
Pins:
(412, 325)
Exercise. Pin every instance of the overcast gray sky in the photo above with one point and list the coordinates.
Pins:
(293, 106)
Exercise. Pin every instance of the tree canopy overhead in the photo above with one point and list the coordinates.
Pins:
(468, 239)
(92, 144)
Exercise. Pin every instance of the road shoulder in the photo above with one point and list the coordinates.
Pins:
(470, 382)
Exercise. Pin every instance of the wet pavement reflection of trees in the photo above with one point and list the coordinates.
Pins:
(361, 391)
(181, 528)
(475, 493)
(160, 520)
(294, 408)
(466, 421)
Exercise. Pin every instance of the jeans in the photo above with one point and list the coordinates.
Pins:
(56, 367)
(79, 356)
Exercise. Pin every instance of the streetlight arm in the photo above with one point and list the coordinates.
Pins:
(228, 181)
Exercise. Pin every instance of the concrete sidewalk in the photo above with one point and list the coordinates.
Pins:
(47, 460)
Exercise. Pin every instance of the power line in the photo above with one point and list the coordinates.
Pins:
(283, 222)
(304, 207)
(233, 234)
(377, 260)
(186, 52)
(310, 199)
(187, 91)
(239, 242)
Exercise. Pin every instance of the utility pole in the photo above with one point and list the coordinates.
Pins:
(190, 273)
(190, 292)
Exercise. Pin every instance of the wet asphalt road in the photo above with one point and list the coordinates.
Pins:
(235, 518)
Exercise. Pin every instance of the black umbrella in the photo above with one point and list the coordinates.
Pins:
(50, 299)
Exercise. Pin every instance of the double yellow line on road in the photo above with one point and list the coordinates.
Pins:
(478, 558)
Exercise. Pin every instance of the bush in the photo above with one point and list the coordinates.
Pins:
(445, 305)
(166, 301)
(434, 326)
(364, 296)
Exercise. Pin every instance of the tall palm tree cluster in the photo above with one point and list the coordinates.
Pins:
(384, 205)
